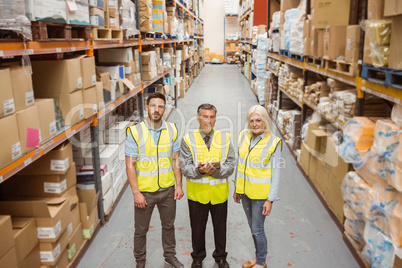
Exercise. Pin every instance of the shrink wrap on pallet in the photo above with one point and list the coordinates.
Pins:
(13, 17)
(379, 34)
(127, 11)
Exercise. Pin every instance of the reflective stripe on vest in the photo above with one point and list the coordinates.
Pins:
(254, 167)
(154, 162)
(208, 189)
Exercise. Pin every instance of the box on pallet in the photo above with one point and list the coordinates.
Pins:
(96, 17)
(330, 12)
(392, 8)
(395, 53)
(80, 16)
(46, 10)
(352, 43)
(334, 42)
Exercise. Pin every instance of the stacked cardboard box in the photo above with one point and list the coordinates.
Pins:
(314, 92)
(46, 191)
(146, 23)
(137, 70)
(26, 242)
(149, 65)
(88, 208)
(97, 13)
(8, 256)
(393, 9)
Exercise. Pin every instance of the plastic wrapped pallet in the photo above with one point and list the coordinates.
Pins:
(127, 11)
(379, 34)
(261, 63)
(13, 17)
(296, 38)
(157, 15)
(146, 16)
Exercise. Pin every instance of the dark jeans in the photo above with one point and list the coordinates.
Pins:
(198, 220)
(166, 204)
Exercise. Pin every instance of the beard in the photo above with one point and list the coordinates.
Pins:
(153, 119)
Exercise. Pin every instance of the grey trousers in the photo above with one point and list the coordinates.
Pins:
(164, 200)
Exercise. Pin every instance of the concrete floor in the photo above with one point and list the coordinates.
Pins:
(300, 231)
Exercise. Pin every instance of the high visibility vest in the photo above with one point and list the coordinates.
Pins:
(154, 161)
(208, 189)
(254, 169)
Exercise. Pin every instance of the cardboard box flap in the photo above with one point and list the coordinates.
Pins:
(128, 84)
(56, 201)
(71, 196)
(20, 223)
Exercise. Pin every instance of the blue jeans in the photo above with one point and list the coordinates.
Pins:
(253, 210)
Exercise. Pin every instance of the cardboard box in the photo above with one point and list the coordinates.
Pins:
(367, 50)
(80, 16)
(352, 43)
(32, 260)
(57, 161)
(90, 99)
(71, 106)
(116, 72)
(136, 54)
(6, 234)
(47, 118)
(315, 139)
(147, 76)
(392, 8)
(75, 242)
(115, 55)
(375, 9)
(51, 215)
(56, 76)
(89, 223)
(28, 127)
(88, 72)
(99, 95)
(334, 42)
(41, 185)
(7, 103)
(9, 259)
(117, 133)
(105, 79)
(88, 202)
(9, 140)
(50, 252)
(75, 220)
(330, 13)
(317, 43)
(304, 158)
(108, 200)
(395, 54)
(25, 237)
(22, 88)
(285, 5)
(110, 156)
(96, 17)
(97, 3)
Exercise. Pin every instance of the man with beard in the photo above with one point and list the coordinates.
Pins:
(207, 160)
(152, 165)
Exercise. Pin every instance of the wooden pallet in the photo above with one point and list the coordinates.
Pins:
(284, 53)
(104, 34)
(341, 67)
(48, 31)
(382, 75)
(315, 61)
(131, 37)
(296, 57)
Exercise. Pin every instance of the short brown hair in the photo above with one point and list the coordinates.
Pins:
(205, 106)
(156, 95)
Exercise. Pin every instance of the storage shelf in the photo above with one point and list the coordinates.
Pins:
(246, 14)
(18, 49)
(183, 8)
(11, 169)
(350, 80)
(339, 125)
(231, 17)
(231, 51)
(300, 104)
(388, 93)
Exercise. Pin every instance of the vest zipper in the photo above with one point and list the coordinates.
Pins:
(245, 167)
(157, 157)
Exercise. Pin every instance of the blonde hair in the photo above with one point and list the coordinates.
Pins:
(262, 112)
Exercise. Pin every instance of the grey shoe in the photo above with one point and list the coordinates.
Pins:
(140, 264)
(174, 262)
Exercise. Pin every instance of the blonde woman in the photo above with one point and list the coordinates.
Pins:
(257, 178)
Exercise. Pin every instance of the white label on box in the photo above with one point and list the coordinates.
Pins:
(52, 128)
(29, 98)
(128, 70)
(95, 108)
(348, 44)
(9, 107)
(55, 187)
(94, 20)
(94, 79)
(15, 150)
(49, 232)
(50, 256)
(113, 22)
(70, 229)
(79, 82)
(59, 165)
(81, 113)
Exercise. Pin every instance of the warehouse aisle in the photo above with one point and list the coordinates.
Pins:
(300, 231)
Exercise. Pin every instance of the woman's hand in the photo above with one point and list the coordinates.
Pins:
(266, 209)
(236, 197)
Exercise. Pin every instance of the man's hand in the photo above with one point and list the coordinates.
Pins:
(178, 193)
(139, 200)
(207, 169)
(266, 209)
(236, 197)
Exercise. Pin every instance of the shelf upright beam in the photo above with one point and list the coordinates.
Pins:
(96, 166)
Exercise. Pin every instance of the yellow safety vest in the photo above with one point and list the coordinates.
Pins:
(154, 162)
(208, 189)
(254, 169)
